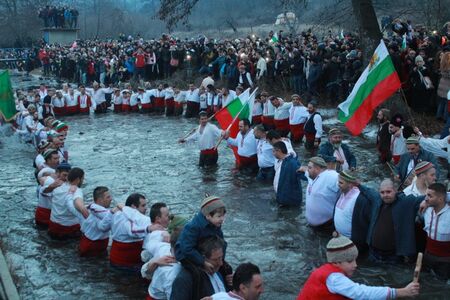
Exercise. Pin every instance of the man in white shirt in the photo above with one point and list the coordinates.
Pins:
(98, 97)
(85, 102)
(398, 145)
(281, 115)
(192, 101)
(247, 284)
(246, 146)
(180, 100)
(58, 104)
(128, 230)
(321, 193)
(266, 159)
(207, 135)
(65, 219)
(437, 227)
(95, 229)
(425, 175)
(298, 114)
(268, 112)
(157, 99)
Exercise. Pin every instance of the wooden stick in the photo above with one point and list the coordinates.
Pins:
(189, 133)
(418, 267)
(407, 107)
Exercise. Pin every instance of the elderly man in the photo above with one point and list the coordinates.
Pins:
(391, 235)
(409, 160)
(321, 193)
(247, 284)
(334, 151)
(286, 182)
(437, 227)
(207, 284)
(353, 209)
(207, 135)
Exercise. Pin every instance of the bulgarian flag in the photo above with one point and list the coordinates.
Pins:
(7, 104)
(238, 109)
(377, 83)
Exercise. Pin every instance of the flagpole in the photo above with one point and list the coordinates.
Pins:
(407, 106)
(235, 118)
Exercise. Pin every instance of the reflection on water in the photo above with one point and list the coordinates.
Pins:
(140, 153)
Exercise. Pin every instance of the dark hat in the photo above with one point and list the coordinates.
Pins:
(48, 152)
(64, 167)
(348, 176)
(397, 120)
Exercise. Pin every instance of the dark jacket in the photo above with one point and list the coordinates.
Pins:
(289, 190)
(326, 150)
(184, 286)
(404, 211)
(384, 143)
(402, 167)
(196, 230)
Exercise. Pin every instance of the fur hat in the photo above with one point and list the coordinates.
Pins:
(341, 249)
(397, 120)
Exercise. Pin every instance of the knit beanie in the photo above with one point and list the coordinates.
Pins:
(412, 140)
(61, 127)
(341, 249)
(348, 176)
(211, 203)
(423, 166)
(319, 161)
(48, 152)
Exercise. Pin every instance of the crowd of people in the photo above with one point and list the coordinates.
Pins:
(187, 259)
(59, 16)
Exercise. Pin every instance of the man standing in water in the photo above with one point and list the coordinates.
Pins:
(207, 135)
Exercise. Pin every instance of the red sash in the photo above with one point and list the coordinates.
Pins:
(268, 120)
(125, 107)
(159, 102)
(72, 109)
(84, 110)
(256, 120)
(438, 248)
(208, 151)
(117, 108)
(92, 248)
(297, 132)
(245, 161)
(282, 124)
(61, 231)
(170, 102)
(178, 104)
(148, 297)
(134, 108)
(126, 254)
(42, 216)
(147, 106)
(60, 111)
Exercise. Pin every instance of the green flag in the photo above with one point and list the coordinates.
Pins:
(7, 104)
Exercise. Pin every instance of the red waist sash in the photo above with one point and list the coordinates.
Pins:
(438, 248)
(297, 131)
(126, 254)
(245, 161)
(61, 231)
(159, 102)
(59, 110)
(209, 151)
(92, 248)
(72, 109)
(256, 119)
(170, 102)
(267, 120)
(282, 124)
(42, 216)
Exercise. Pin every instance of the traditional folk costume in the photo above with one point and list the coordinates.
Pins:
(281, 118)
(64, 218)
(313, 130)
(95, 231)
(268, 114)
(207, 137)
(246, 150)
(128, 230)
(297, 118)
(192, 103)
(84, 103)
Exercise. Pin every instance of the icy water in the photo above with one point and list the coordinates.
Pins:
(138, 153)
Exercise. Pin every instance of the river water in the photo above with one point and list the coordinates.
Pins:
(139, 153)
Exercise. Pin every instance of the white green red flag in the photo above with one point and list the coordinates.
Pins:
(238, 109)
(377, 83)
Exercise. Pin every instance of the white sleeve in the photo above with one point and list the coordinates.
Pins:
(192, 137)
(232, 142)
(318, 125)
(435, 146)
(338, 283)
(71, 205)
(106, 222)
